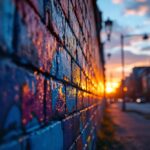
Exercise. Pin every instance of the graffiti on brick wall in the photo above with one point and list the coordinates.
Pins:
(50, 74)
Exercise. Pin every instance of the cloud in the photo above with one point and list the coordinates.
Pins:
(140, 11)
(117, 1)
(141, 1)
(134, 44)
(147, 48)
(131, 60)
(138, 7)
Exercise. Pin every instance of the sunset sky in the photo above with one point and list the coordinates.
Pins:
(129, 17)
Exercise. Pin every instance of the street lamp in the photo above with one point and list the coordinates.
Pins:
(108, 28)
(145, 37)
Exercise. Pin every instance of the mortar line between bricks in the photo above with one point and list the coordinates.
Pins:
(32, 68)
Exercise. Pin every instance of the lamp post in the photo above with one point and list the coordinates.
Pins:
(145, 37)
(108, 28)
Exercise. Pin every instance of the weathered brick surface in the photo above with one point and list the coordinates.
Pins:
(7, 12)
(50, 70)
(58, 99)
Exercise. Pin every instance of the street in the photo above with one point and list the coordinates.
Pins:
(132, 130)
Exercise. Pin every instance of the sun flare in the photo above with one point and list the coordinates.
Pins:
(111, 87)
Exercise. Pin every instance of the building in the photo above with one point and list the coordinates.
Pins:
(138, 83)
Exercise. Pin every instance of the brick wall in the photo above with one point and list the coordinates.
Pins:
(51, 75)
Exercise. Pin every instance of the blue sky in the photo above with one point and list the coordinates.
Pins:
(129, 17)
(118, 13)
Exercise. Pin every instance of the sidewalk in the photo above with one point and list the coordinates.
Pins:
(143, 108)
(132, 130)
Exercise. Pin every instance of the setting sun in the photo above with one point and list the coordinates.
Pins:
(111, 87)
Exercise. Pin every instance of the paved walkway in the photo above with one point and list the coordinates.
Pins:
(132, 130)
(143, 108)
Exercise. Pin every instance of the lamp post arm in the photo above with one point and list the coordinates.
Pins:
(132, 35)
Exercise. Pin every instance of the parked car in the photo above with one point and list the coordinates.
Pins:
(140, 100)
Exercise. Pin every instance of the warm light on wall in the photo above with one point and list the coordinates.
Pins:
(100, 87)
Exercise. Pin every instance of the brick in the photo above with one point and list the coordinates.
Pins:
(78, 11)
(73, 20)
(75, 74)
(54, 66)
(50, 138)
(56, 18)
(38, 5)
(25, 48)
(64, 64)
(79, 56)
(58, 99)
(91, 99)
(87, 25)
(21, 100)
(88, 114)
(64, 5)
(7, 11)
(68, 132)
(76, 128)
(70, 99)
(83, 81)
(79, 100)
(70, 40)
(79, 144)
(90, 142)
(14, 145)
(32, 105)
(81, 39)
(85, 99)
(84, 136)
(82, 119)
(84, 45)
(83, 8)
(89, 85)
(93, 138)
(44, 43)
(74, 4)
(48, 101)
(85, 31)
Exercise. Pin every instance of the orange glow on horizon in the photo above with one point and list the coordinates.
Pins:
(111, 87)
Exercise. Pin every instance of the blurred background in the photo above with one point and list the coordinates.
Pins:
(130, 20)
